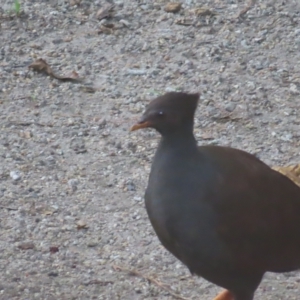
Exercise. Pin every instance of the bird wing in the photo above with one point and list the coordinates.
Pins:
(258, 210)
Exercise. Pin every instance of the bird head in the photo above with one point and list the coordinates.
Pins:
(169, 112)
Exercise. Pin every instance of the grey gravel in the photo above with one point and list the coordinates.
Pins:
(72, 177)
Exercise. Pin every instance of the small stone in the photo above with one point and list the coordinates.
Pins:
(55, 208)
(137, 198)
(67, 228)
(57, 41)
(172, 7)
(71, 121)
(15, 175)
(230, 107)
(136, 72)
(130, 186)
(244, 44)
(92, 243)
(53, 274)
(73, 184)
(53, 249)
(82, 225)
(26, 134)
(170, 89)
(75, 2)
(26, 246)
(294, 89)
(78, 145)
(125, 23)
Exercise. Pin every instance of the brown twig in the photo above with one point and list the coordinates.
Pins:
(150, 279)
(40, 65)
(30, 123)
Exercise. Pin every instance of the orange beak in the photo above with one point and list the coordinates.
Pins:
(140, 125)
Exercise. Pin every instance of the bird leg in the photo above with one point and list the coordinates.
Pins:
(225, 295)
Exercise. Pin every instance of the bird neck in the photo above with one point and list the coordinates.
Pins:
(180, 140)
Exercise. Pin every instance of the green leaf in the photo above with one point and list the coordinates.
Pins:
(17, 7)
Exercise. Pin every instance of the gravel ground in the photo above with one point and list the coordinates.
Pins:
(72, 177)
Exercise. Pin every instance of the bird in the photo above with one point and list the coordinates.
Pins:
(221, 211)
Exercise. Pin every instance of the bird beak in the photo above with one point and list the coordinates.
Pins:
(140, 125)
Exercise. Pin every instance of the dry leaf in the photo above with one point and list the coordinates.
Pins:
(40, 65)
(75, 2)
(26, 134)
(104, 12)
(26, 246)
(204, 11)
(107, 29)
(184, 22)
(74, 75)
(292, 172)
(109, 25)
(100, 282)
(249, 5)
(88, 89)
(68, 39)
(47, 212)
(206, 136)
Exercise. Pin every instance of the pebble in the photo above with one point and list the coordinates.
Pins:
(92, 243)
(15, 175)
(136, 71)
(73, 183)
(294, 89)
(172, 7)
(137, 198)
(125, 23)
(230, 107)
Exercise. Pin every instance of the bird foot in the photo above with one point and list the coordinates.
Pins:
(225, 295)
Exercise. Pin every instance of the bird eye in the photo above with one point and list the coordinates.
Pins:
(161, 113)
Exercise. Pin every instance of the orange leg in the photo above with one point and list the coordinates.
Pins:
(225, 295)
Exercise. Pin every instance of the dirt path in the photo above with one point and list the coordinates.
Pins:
(72, 177)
